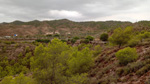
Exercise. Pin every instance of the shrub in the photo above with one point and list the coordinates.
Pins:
(27, 49)
(104, 37)
(146, 34)
(43, 40)
(64, 40)
(56, 35)
(85, 41)
(126, 55)
(83, 45)
(74, 39)
(36, 43)
(49, 35)
(133, 42)
(97, 50)
(90, 38)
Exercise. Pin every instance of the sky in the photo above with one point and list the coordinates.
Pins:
(75, 10)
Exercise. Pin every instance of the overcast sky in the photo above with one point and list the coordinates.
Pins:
(76, 10)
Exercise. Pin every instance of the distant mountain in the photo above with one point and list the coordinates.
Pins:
(34, 28)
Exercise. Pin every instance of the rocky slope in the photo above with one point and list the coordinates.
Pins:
(108, 71)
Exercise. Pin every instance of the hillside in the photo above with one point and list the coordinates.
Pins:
(108, 71)
(76, 60)
(36, 28)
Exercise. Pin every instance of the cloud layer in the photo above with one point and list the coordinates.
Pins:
(76, 10)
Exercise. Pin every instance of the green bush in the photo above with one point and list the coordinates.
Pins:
(133, 42)
(56, 35)
(74, 39)
(90, 38)
(85, 41)
(64, 40)
(126, 55)
(97, 50)
(27, 49)
(144, 35)
(104, 37)
(49, 35)
(83, 45)
(36, 43)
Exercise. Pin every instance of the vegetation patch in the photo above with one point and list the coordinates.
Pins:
(126, 55)
(43, 40)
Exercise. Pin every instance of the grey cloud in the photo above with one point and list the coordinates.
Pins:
(89, 9)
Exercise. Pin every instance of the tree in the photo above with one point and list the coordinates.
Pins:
(58, 62)
(81, 61)
(126, 55)
(104, 37)
(47, 62)
(121, 36)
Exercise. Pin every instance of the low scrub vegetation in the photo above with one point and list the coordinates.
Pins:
(143, 70)
(9, 42)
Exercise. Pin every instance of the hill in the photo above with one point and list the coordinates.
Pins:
(63, 26)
